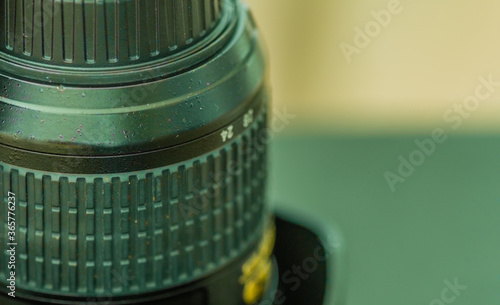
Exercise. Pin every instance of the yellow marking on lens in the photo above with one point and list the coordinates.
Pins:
(257, 270)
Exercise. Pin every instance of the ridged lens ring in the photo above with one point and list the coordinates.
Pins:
(132, 153)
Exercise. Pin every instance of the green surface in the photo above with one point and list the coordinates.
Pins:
(442, 223)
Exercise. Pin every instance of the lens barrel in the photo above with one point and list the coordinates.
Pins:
(133, 156)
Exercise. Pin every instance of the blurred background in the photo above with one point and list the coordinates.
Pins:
(369, 81)
(423, 60)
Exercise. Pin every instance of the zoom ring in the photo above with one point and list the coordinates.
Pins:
(134, 232)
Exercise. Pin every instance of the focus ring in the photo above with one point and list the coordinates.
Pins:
(94, 235)
(103, 33)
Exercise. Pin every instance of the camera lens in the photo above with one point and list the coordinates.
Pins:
(133, 153)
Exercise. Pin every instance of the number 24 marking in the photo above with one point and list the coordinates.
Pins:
(227, 133)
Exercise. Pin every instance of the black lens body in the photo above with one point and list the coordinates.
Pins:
(133, 153)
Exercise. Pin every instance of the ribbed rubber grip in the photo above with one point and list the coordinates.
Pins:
(136, 232)
(92, 33)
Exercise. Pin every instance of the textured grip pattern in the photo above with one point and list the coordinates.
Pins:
(103, 33)
(140, 231)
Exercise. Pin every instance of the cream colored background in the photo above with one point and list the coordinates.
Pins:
(428, 58)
